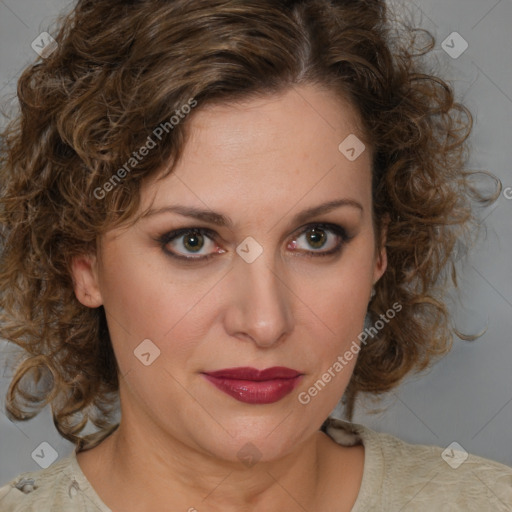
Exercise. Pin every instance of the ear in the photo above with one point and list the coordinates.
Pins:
(84, 270)
(381, 257)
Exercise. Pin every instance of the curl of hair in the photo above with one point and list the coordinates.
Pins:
(86, 107)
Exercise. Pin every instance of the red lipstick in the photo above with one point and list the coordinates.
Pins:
(254, 386)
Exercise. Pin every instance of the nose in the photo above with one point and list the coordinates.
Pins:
(260, 306)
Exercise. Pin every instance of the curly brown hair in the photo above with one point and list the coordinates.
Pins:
(123, 68)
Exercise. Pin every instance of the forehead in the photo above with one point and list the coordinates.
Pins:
(269, 149)
(304, 114)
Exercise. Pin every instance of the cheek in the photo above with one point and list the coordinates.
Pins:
(144, 300)
(338, 303)
(336, 348)
(337, 300)
(339, 308)
(342, 322)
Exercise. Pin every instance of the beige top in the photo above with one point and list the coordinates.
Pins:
(398, 476)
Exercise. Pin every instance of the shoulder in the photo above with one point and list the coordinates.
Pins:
(57, 488)
(425, 477)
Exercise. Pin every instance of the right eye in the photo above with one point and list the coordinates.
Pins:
(192, 241)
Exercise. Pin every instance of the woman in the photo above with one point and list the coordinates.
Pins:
(203, 202)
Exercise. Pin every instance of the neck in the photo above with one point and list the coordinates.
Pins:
(132, 470)
(189, 479)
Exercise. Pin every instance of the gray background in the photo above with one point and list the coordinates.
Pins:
(467, 396)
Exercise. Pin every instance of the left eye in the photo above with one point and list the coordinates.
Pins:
(323, 238)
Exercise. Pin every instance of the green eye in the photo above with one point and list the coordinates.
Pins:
(193, 241)
(188, 241)
(316, 238)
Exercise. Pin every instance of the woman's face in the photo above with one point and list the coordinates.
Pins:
(262, 289)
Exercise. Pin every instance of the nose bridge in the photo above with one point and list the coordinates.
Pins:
(262, 300)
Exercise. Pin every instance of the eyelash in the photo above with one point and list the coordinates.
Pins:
(172, 235)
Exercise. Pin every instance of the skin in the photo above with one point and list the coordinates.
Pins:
(260, 162)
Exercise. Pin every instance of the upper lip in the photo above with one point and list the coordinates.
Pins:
(248, 373)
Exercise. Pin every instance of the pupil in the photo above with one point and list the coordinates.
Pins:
(317, 238)
(193, 241)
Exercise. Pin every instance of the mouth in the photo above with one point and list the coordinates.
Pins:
(253, 386)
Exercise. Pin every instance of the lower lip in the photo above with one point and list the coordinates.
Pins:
(255, 392)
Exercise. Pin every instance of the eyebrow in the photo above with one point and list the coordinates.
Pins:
(222, 220)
